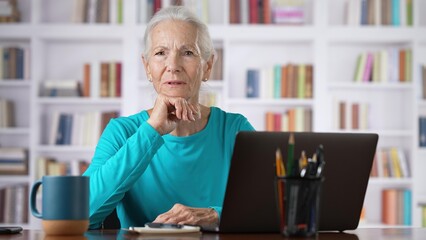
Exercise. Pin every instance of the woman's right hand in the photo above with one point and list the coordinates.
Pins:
(169, 111)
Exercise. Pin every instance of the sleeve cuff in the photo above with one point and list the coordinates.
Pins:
(218, 210)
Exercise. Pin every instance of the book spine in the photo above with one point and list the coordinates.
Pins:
(252, 90)
(277, 81)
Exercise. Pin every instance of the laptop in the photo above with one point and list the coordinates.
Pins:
(249, 204)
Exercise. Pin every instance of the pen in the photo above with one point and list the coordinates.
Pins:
(320, 160)
(290, 154)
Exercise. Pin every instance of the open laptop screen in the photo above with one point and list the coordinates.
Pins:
(249, 204)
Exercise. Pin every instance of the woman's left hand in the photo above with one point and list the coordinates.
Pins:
(180, 214)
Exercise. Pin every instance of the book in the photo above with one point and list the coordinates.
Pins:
(389, 206)
(7, 113)
(368, 67)
(118, 71)
(252, 88)
(422, 131)
(95, 79)
(86, 80)
(342, 115)
(13, 161)
(301, 81)
(309, 86)
(277, 81)
(61, 88)
(288, 12)
(360, 67)
(104, 80)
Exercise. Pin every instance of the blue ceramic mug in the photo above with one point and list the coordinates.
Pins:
(65, 204)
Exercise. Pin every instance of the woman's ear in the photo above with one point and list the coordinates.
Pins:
(209, 68)
(146, 66)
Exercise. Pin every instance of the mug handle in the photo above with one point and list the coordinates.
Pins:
(34, 189)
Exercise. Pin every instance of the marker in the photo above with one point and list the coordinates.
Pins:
(303, 164)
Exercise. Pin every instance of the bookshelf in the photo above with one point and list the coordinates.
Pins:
(59, 48)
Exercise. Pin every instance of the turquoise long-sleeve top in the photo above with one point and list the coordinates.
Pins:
(143, 174)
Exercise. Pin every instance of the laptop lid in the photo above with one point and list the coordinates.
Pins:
(249, 204)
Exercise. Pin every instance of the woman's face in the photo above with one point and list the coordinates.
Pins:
(174, 62)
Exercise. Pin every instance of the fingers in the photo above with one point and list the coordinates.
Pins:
(175, 215)
(180, 214)
(183, 110)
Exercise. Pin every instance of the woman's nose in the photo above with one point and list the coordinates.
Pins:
(173, 63)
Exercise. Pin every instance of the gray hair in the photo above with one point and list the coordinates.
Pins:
(182, 14)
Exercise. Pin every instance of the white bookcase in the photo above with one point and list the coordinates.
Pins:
(59, 49)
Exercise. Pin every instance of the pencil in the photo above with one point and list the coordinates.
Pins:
(290, 154)
(279, 163)
(280, 169)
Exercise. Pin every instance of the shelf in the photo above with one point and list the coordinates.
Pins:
(379, 225)
(271, 102)
(65, 148)
(390, 181)
(79, 101)
(421, 150)
(382, 133)
(422, 103)
(370, 86)
(371, 34)
(16, 30)
(254, 33)
(14, 131)
(14, 83)
(80, 31)
(12, 179)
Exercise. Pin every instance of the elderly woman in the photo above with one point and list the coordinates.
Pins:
(170, 163)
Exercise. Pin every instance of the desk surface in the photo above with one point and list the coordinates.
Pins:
(359, 234)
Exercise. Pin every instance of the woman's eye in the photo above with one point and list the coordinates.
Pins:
(159, 53)
(189, 53)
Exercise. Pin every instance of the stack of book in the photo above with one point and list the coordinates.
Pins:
(280, 81)
(392, 65)
(9, 11)
(78, 129)
(97, 11)
(293, 120)
(14, 63)
(396, 206)
(267, 12)
(147, 8)
(379, 12)
(49, 166)
(390, 163)
(61, 88)
(13, 161)
(14, 203)
(7, 114)
(351, 115)
(102, 79)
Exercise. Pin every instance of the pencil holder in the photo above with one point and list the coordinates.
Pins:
(298, 201)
